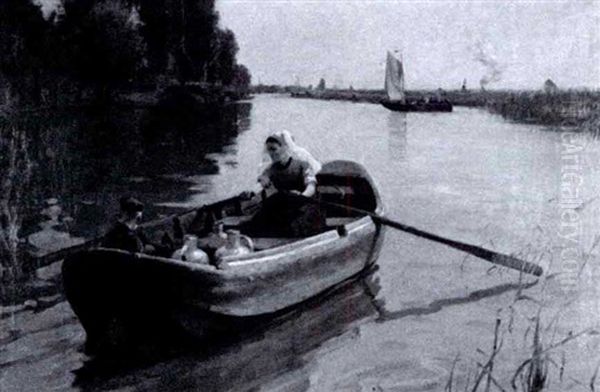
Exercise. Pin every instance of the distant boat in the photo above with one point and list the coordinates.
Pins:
(396, 98)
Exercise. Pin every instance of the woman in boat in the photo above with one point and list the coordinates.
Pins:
(299, 152)
(283, 213)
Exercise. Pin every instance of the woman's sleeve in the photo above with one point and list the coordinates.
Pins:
(265, 177)
(304, 155)
(310, 176)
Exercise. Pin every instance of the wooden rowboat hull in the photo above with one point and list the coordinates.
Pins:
(117, 291)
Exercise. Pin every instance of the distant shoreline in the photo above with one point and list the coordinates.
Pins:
(561, 108)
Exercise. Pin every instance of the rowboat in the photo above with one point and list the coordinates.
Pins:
(120, 296)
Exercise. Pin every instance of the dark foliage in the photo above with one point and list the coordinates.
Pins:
(24, 49)
(94, 48)
(105, 48)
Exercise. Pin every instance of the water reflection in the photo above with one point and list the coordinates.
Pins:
(89, 158)
(54, 231)
(279, 346)
(438, 305)
(397, 130)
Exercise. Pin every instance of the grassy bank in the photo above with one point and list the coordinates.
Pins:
(138, 96)
(201, 93)
(570, 107)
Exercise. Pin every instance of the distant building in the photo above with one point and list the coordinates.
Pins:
(464, 85)
(550, 87)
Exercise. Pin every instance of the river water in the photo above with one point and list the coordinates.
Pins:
(422, 321)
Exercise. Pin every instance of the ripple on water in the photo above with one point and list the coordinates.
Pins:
(405, 375)
(467, 175)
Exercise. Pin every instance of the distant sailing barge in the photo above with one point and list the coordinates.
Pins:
(394, 87)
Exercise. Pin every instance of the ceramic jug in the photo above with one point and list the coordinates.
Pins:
(217, 238)
(190, 251)
(237, 244)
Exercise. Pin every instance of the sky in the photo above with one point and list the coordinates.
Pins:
(506, 44)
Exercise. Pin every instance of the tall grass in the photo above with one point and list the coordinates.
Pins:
(560, 108)
(544, 361)
(15, 174)
(533, 374)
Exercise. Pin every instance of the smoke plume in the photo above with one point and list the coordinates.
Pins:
(494, 70)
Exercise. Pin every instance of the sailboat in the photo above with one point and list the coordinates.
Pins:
(396, 98)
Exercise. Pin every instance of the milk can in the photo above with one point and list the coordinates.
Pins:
(237, 244)
(190, 251)
(217, 238)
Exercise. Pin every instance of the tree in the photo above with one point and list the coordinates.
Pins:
(321, 85)
(24, 49)
(180, 35)
(222, 65)
(106, 48)
(103, 45)
(200, 32)
(242, 78)
(155, 30)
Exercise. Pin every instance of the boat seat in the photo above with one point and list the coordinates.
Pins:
(339, 221)
(234, 221)
(337, 191)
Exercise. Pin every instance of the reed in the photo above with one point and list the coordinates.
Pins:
(15, 174)
(561, 108)
(544, 364)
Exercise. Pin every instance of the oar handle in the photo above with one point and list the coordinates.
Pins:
(33, 262)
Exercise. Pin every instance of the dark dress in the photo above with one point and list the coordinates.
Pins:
(124, 238)
(283, 214)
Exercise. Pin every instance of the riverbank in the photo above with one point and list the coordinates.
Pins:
(201, 93)
(563, 108)
(85, 157)
(138, 96)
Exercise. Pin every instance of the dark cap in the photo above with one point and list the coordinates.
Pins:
(130, 205)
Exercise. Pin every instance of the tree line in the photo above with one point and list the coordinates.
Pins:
(92, 48)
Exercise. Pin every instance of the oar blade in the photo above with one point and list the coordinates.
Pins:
(517, 264)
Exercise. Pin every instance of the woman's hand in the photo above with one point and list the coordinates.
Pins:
(246, 195)
(264, 181)
(310, 190)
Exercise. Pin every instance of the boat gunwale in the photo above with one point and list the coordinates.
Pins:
(308, 242)
(236, 263)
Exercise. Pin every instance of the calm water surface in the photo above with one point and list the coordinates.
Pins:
(426, 316)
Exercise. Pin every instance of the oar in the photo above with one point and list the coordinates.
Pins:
(32, 262)
(486, 254)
